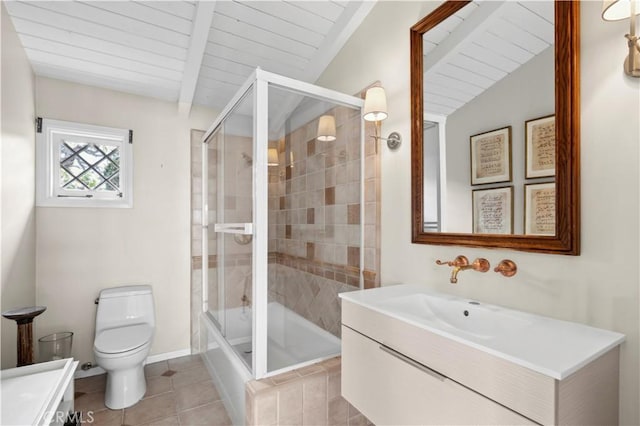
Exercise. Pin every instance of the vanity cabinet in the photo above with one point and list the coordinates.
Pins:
(391, 389)
(397, 373)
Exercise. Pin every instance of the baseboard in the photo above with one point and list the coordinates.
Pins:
(167, 355)
(94, 371)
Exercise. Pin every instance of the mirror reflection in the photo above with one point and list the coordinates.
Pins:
(489, 125)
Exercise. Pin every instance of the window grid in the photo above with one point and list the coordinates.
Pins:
(81, 165)
(108, 175)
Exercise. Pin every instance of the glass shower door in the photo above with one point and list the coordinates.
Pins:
(315, 223)
(230, 228)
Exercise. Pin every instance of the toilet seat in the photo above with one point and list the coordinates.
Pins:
(123, 339)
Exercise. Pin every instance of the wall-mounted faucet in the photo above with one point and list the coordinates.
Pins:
(461, 263)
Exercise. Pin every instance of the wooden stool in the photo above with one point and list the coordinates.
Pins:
(24, 317)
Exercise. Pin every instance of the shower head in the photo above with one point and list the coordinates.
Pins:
(247, 158)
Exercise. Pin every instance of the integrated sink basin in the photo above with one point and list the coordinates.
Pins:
(552, 347)
(456, 315)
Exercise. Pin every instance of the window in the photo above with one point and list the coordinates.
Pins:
(80, 165)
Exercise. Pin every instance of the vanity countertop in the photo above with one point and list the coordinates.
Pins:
(549, 346)
(32, 394)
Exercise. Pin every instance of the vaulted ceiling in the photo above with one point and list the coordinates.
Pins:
(183, 51)
(199, 52)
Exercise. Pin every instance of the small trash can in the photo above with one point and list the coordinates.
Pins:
(55, 346)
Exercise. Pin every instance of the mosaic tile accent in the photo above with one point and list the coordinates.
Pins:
(312, 296)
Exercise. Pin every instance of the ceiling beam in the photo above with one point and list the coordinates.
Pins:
(475, 24)
(197, 43)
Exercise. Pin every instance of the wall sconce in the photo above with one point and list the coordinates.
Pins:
(375, 109)
(615, 10)
(326, 128)
(272, 157)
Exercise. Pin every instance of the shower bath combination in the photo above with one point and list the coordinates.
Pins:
(277, 241)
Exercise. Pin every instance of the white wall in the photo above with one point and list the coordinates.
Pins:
(600, 287)
(525, 94)
(82, 250)
(18, 182)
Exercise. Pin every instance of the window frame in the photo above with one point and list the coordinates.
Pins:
(48, 141)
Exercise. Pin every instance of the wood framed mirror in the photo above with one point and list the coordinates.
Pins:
(564, 101)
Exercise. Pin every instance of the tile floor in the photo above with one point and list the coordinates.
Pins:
(179, 392)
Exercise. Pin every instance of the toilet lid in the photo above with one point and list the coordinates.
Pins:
(123, 339)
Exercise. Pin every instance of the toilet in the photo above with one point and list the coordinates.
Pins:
(125, 324)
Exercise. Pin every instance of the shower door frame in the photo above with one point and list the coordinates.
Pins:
(260, 80)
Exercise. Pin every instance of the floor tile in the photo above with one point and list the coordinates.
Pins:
(151, 409)
(155, 369)
(191, 396)
(190, 376)
(93, 401)
(213, 414)
(91, 384)
(104, 418)
(157, 385)
(179, 392)
(185, 362)
(169, 421)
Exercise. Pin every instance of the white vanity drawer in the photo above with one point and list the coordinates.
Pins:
(395, 390)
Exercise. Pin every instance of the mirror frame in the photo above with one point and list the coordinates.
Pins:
(567, 110)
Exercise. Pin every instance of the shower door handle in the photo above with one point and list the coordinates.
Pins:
(234, 228)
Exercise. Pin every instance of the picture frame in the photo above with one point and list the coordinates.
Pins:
(540, 147)
(491, 156)
(493, 210)
(540, 209)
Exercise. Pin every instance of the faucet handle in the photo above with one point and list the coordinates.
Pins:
(458, 261)
(481, 264)
(506, 267)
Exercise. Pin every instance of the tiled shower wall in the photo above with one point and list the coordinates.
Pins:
(196, 238)
(315, 220)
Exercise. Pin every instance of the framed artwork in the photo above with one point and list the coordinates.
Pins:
(493, 210)
(491, 157)
(540, 209)
(540, 150)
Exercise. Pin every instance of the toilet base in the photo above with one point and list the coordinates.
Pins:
(125, 387)
(126, 384)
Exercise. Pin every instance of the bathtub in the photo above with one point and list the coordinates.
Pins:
(293, 342)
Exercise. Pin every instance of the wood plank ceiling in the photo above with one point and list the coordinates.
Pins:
(480, 45)
(183, 51)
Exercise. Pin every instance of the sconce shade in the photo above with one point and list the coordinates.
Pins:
(272, 157)
(327, 128)
(375, 104)
(615, 10)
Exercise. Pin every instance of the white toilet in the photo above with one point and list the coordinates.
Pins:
(125, 324)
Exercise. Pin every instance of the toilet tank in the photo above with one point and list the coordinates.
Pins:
(120, 306)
